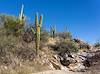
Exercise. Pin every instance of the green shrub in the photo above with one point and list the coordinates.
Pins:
(12, 24)
(65, 46)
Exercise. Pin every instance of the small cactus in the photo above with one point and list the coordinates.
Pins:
(52, 31)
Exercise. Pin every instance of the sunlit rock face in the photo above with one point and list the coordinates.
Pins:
(79, 61)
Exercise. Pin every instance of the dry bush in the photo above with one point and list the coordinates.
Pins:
(44, 36)
(65, 46)
(28, 35)
(65, 35)
(12, 45)
(97, 45)
(17, 66)
(14, 57)
(44, 39)
(26, 54)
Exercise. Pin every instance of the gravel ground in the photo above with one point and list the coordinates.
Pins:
(64, 72)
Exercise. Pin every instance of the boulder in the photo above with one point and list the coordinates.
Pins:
(65, 59)
(65, 62)
(55, 65)
(87, 63)
(77, 67)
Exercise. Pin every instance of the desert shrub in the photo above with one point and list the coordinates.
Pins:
(65, 35)
(44, 36)
(84, 46)
(7, 48)
(63, 46)
(26, 54)
(81, 44)
(8, 55)
(76, 40)
(12, 24)
(97, 44)
(28, 35)
(12, 46)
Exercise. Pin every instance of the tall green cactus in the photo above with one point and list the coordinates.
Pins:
(52, 31)
(37, 31)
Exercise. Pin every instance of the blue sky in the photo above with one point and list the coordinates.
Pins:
(82, 17)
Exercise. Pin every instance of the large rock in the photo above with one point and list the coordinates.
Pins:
(65, 62)
(66, 59)
(77, 67)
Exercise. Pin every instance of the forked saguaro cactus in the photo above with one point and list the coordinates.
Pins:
(37, 31)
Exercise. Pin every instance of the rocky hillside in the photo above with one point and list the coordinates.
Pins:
(57, 51)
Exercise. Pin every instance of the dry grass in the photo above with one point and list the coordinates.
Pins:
(18, 57)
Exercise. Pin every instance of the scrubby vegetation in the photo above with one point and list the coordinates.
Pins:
(18, 44)
(97, 45)
(24, 50)
(12, 24)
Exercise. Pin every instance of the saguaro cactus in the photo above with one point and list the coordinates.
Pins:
(20, 21)
(37, 31)
(21, 15)
(53, 31)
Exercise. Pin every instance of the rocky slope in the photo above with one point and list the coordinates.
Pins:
(87, 61)
(57, 54)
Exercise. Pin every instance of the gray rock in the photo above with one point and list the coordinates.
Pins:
(77, 67)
